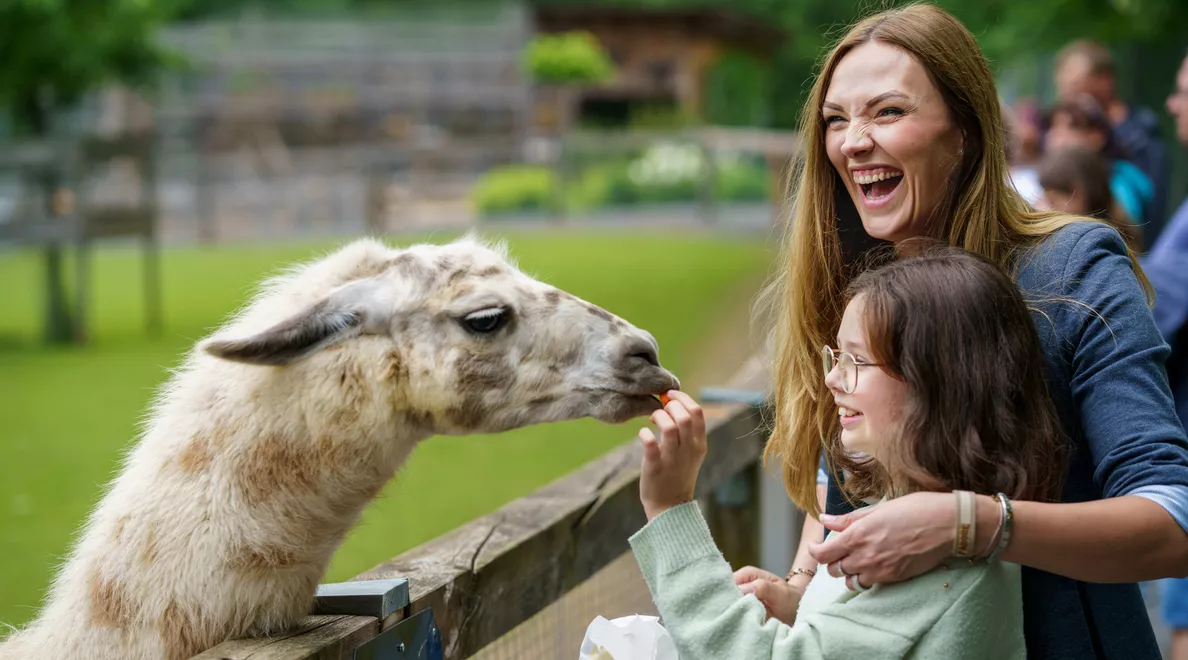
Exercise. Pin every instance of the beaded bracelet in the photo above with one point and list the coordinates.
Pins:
(800, 571)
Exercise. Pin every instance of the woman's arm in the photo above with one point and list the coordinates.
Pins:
(1120, 539)
(811, 532)
(1132, 435)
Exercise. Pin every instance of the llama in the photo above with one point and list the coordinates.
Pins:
(265, 446)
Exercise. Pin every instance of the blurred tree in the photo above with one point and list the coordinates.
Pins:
(54, 52)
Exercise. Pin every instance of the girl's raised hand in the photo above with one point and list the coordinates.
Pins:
(668, 475)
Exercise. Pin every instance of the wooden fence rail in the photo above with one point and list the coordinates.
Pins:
(493, 573)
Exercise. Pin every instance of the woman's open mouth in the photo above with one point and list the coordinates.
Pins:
(878, 185)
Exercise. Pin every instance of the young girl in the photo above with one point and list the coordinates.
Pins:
(939, 384)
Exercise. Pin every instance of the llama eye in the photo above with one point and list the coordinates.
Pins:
(486, 321)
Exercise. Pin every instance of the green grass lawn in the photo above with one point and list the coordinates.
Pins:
(67, 415)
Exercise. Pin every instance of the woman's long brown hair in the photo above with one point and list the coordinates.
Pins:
(981, 213)
(954, 327)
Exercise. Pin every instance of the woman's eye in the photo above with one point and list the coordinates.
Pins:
(486, 321)
(833, 119)
(890, 112)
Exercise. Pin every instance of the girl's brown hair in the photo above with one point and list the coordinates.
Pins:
(982, 213)
(955, 329)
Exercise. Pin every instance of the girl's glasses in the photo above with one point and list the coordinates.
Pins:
(846, 365)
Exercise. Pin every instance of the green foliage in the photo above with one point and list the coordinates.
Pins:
(743, 180)
(514, 188)
(663, 173)
(737, 91)
(658, 115)
(568, 58)
(71, 414)
(673, 172)
(56, 51)
(1009, 32)
(413, 9)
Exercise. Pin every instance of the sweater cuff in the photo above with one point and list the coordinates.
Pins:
(673, 540)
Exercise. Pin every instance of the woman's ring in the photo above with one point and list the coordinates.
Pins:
(854, 584)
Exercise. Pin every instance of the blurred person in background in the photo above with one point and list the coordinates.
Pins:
(1167, 267)
(1087, 67)
(1081, 123)
(1077, 181)
(1023, 149)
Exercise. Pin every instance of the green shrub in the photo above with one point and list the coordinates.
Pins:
(567, 58)
(742, 180)
(514, 188)
(667, 172)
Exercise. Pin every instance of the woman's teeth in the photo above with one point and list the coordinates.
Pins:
(846, 412)
(867, 178)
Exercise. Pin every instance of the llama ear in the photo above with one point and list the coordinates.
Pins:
(345, 313)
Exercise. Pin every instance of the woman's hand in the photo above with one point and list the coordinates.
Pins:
(894, 541)
(669, 472)
(780, 597)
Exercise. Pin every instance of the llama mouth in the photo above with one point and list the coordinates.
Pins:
(630, 406)
(621, 407)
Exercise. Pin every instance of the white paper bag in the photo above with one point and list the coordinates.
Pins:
(634, 637)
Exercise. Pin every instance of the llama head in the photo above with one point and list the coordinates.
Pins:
(453, 337)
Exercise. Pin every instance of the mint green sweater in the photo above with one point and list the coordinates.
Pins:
(962, 610)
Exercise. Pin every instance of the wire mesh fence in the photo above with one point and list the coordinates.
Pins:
(556, 632)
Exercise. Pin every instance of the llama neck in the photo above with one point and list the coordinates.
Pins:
(301, 496)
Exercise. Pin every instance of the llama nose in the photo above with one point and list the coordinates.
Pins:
(642, 346)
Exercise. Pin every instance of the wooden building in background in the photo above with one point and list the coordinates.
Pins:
(661, 57)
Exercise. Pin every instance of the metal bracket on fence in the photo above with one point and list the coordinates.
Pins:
(377, 598)
(415, 638)
(754, 398)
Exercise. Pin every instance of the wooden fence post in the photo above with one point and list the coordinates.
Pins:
(733, 517)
